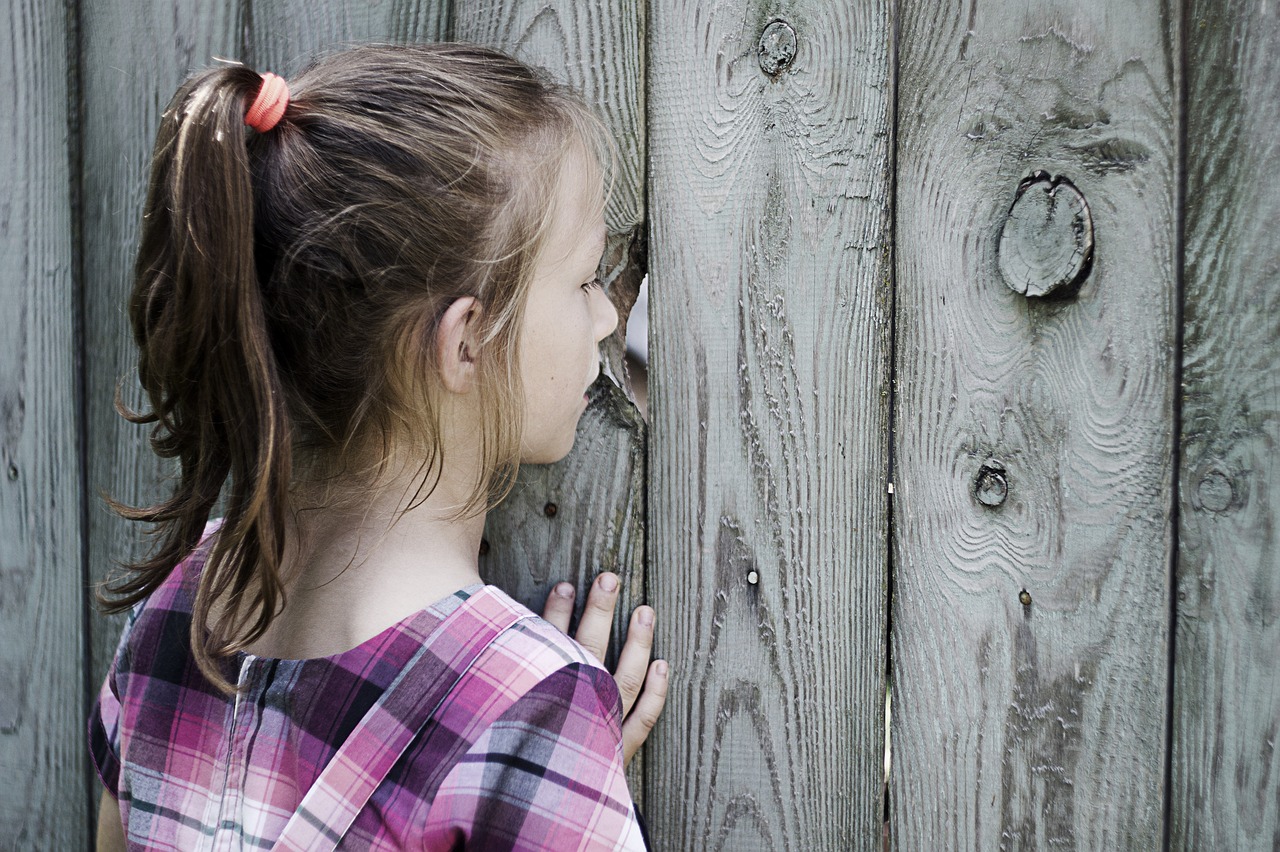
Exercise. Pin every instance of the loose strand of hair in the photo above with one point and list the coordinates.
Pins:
(210, 375)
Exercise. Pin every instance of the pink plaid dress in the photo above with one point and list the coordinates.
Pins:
(524, 753)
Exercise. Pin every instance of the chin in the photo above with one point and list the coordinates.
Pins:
(548, 454)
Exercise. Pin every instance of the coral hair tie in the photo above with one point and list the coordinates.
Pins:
(268, 106)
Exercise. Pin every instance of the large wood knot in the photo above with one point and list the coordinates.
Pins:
(1046, 246)
(777, 47)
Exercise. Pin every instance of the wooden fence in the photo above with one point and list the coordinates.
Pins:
(965, 348)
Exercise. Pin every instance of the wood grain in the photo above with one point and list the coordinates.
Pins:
(599, 490)
(286, 34)
(770, 304)
(1030, 655)
(133, 58)
(1226, 713)
(42, 750)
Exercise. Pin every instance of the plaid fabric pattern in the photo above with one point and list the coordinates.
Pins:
(524, 753)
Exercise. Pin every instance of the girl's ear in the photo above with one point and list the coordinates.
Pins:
(457, 348)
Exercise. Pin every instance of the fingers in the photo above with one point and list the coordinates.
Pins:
(559, 607)
(633, 661)
(644, 715)
(597, 615)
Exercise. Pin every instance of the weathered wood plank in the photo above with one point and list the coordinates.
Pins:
(134, 56)
(1031, 601)
(1226, 714)
(42, 754)
(598, 491)
(769, 299)
(285, 34)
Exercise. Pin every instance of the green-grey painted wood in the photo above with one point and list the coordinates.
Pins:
(1226, 713)
(1033, 720)
(770, 306)
(285, 34)
(133, 57)
(598, 491)
(42, 751)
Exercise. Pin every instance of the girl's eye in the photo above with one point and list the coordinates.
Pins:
(593, 283)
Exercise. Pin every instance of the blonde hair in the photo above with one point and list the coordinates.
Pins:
(289, 285)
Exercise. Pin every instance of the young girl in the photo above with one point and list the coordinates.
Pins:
(355, 320)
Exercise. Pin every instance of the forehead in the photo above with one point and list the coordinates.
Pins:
(577, 232)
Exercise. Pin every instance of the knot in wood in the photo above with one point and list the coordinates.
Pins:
(991, 488)
(777, 47)
(1046, 244)
(13, 472)
(1215, 492)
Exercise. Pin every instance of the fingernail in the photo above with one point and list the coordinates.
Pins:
(646, 616)
(660, 667)
(608, 582)
(564, 590)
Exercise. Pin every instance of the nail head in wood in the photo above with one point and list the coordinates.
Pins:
(1215, 492)
(777, 47)
(1046, 244)
(1024, 597)
(753, 577)
(550, 510)
(991, 488)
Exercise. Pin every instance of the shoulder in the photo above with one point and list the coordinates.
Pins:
(156, 638)
(177, 593)
(534, 649)
(530, 659)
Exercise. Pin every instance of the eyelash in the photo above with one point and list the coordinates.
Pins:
(594, 282)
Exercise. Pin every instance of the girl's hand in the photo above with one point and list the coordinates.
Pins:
(643, 685)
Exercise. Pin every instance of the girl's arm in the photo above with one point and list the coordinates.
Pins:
(110, 829)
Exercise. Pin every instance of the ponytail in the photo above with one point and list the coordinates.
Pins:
(209, 372)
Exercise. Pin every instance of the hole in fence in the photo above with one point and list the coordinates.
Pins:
(637, 352)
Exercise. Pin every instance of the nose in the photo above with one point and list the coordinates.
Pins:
(604, 316)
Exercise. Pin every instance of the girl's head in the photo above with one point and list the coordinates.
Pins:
(309, 300)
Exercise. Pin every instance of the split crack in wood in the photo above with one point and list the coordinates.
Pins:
(1046, 243)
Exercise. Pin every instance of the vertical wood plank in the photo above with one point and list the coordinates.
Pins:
(1031, 602)
(41, 584)
(134, 56)
(769, 302)
(585, 514)
(1226, 714)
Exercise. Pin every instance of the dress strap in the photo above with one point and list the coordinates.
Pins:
(375, 745)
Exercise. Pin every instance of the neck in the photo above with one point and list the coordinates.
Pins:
(360, 560)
